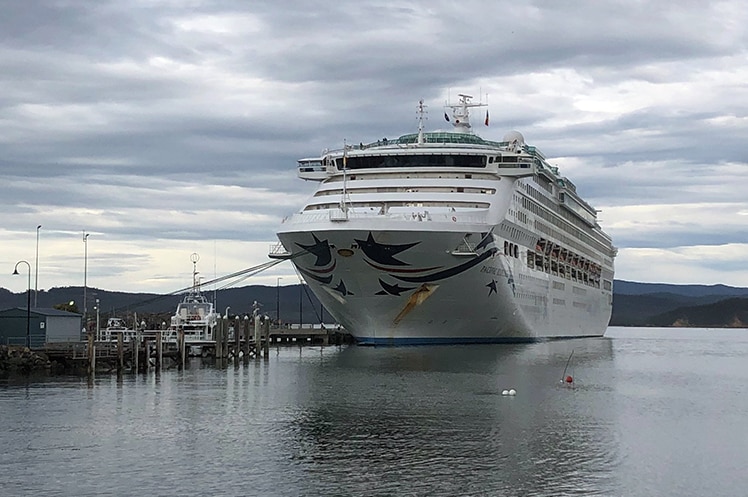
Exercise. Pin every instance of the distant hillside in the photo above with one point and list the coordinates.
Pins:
(634, 288)
(293, 301)
(634, 304)
(725, 313)
(652, 304)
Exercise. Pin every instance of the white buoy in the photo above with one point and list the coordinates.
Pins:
(512, 392)
(505, 392)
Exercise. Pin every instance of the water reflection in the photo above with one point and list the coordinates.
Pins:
(431, 420)
(653, 413)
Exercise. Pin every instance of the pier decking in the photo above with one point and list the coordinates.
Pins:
(141, 350)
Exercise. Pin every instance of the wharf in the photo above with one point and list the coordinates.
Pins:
(156, 349)
(311, 335)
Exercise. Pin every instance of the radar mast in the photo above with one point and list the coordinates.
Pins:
(461, 112)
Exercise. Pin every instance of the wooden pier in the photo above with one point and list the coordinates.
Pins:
(235, 339)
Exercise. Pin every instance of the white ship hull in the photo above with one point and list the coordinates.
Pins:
(440, 297)
(445, 237)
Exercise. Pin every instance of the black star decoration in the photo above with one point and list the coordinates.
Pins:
(382, 253)
(320, 249)
(395, 289)
(342, 289)
(491, 287)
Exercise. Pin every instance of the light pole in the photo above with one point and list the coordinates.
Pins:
(98, 324)
(36, 269)
(277, 299)
(85, 276)
(301, 301)
(28, 303)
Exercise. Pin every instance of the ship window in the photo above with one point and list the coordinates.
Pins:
(412, 161)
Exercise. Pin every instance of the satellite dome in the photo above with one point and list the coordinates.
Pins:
(515, 136)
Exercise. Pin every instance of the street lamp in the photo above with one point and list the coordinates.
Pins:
(36, 269)
(277, 299)
(98, 324)
(85, 275)
(301, 301)
(28, 302)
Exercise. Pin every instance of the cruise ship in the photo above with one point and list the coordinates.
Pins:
(446, 237)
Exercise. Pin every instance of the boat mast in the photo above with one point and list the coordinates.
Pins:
(195, 281)
(421, 117)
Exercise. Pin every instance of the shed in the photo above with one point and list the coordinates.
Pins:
(46, 325)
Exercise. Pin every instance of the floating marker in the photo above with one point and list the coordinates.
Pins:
(505, 392)
(564, 377)
(512, 392)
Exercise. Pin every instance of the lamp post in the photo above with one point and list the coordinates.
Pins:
(36, 269)
(277, 299)
(85, 276)
(301, 301)
(98, 324)
(28, 302)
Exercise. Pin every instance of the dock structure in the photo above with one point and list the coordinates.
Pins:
(308, 334)
(235, 339)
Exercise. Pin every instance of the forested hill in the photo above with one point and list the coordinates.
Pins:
(659, 304)
(634, 304)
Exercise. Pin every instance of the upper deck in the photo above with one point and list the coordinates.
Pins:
(460, 151)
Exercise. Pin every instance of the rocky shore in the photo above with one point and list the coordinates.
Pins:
(22, 359)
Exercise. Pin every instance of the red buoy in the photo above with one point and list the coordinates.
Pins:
(569, 379)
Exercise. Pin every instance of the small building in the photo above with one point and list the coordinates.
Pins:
(44, 326)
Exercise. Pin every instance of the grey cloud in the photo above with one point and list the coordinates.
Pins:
(121, 106)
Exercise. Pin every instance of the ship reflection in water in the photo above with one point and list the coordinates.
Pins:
(432, 421)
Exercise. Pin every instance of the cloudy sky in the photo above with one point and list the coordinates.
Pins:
(167, 127)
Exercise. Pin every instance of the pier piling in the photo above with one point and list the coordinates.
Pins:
(120, 353)
(238, 326)
(257, 336)
(181, 348)
(136, 351)
(159, 351)
(219, 331)
(266, 343)
(91, 349)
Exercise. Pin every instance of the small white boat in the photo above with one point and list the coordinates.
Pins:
(115, 326)
(195, 315)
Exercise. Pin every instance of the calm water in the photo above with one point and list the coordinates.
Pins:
(654, 413)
